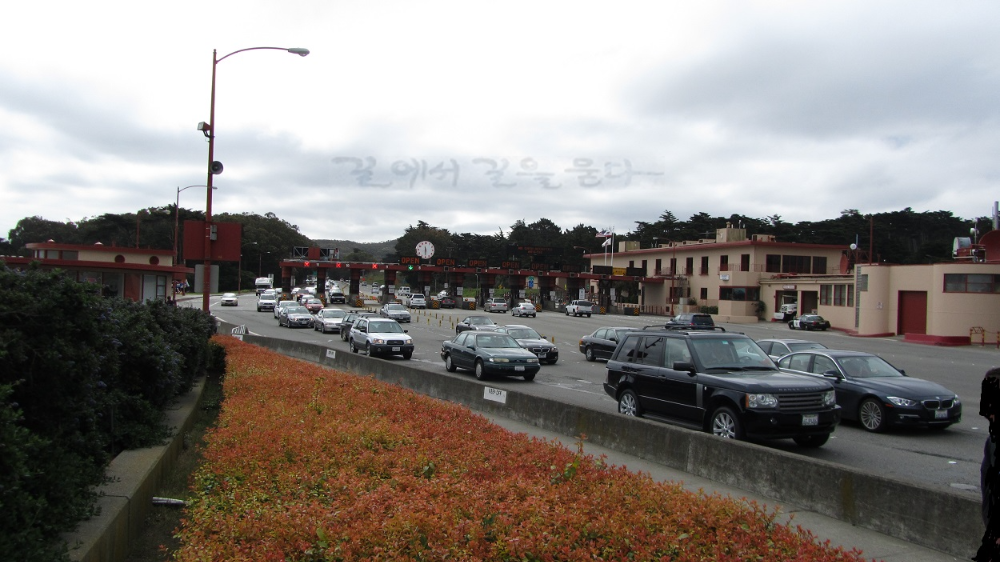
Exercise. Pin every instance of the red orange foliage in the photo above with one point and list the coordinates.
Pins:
(307, 463)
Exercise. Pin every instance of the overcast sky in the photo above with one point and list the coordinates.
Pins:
(472, 115)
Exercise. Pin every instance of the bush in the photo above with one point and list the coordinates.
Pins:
(83, 377)
(307, 463)
(708, 309)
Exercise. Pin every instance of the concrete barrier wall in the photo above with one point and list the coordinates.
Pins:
(938, 519)
(126, 500)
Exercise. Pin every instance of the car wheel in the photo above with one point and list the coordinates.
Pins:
(628, 404)
(407, 354)
(553, 361)
(725, 424)
(448, 365)
(354, 348)
(480, 370)
(532, 315)
(368, 349)
(589, 354)
(529, 378)
(871, 414)
(567, 312)
(791, 326)
(588, 316)
(811, 441)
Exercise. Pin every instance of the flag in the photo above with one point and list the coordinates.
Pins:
(607, 242)
(603, 233)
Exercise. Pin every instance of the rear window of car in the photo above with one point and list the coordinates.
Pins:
(583, 303)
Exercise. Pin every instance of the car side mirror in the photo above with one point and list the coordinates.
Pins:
(832, 374)
(685, 366)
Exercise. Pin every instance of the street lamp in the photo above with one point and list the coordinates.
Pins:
(177, 214)
(208, 129)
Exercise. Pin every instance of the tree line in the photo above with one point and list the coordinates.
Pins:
(902, 237)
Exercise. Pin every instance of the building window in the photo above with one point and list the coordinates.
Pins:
(72, 255)
(971, 283)
(772, 263)
(689, 266)
(836, 295)
(704, 265)
(819, 264)
(739, 293)
(723, 263)
(673, 266)
(795, 264)
(659, 266)
(745, 262)
(704, 293)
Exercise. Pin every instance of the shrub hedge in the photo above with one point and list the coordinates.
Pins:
(81, 378)
(308, 463)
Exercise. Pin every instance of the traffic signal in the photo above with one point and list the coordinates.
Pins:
(410, 267)
(307, 264)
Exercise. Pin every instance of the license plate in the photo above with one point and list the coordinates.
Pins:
(395, 348)
(940, 414)
(541, 355)
(518, 368)
(810, 419)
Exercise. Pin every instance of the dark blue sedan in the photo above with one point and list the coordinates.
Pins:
(875, 393)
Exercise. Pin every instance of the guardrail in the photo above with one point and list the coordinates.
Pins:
(945, 521)
(981, 332)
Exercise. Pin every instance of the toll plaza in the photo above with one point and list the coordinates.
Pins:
(568, 282)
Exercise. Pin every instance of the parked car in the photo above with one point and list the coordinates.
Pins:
(349, 320)
(402, 291)
(721, 383)
(230, 299)
(395, 311)
(690, 320)
(314, 305)
(476, 323)
(295, 317)
(523, 309)
(336, 296)
(777, 348)
(495, 304)
(580, 308)
(529, 339)
(328, 320)
(601, 343)
(873, 392)
(488, 354)
(380, 336)
(281, 305)
(416, 300)
(810, 322)
(447, 302)
(267, 301)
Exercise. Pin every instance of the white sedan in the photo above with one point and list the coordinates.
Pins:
(524, 309)
(230, 299)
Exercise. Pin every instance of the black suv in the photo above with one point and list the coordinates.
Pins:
(690, 320)
(719, 382)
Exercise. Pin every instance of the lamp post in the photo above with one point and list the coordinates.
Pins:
(213, 168)
(177, 214)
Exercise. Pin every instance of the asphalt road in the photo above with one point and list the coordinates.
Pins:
(947, 459)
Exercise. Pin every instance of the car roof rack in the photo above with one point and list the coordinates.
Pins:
(670, 328)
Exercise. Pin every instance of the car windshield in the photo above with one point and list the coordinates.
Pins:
(733, 353)
(496, 340)
(314, 301)
(480, 321)
(395, 308)
(524, 334)
(802, 346)
(333, 313)
(867, 367)
(297, 310)
(385, 328)
(229, 295)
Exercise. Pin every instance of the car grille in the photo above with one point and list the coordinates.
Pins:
(537, 350)
(939, 404)
(800, 402)
(395, 342)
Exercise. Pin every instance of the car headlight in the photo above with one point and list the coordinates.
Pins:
(762, 401)
(379, 341)
(829, 398)
(902, 401)
(499, 360)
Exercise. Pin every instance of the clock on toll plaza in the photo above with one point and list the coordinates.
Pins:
(425, 250)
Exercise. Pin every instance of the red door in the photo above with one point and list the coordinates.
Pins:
(912, 313)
